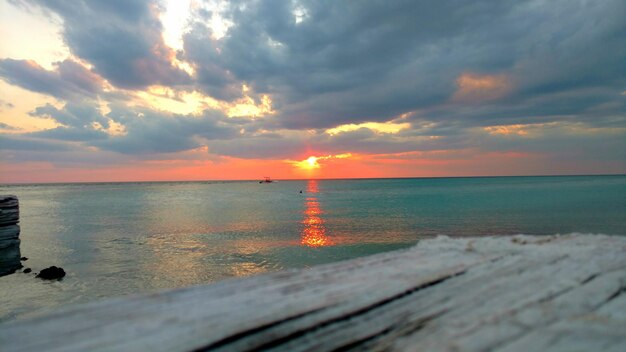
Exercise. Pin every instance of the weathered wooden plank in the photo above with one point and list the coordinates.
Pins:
(445, 294)
(8, 201)
(9, 232)
(9, 235)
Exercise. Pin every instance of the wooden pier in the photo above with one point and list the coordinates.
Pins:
(519, 293)
(9, 235)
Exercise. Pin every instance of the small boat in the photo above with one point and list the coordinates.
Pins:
(266, 179)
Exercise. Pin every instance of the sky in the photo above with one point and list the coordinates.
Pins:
(138, 90)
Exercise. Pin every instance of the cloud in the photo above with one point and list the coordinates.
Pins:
(342, 62)
(70, 134)
(6, 105)
(156, 132)
(477, 88)
(67, 80)
(387, 78)
(121, 39)
(10, 142)
(133, 130)
(77, 115)
(4, 126)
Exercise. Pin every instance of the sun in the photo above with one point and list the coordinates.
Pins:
(313, 162)
(310, 163)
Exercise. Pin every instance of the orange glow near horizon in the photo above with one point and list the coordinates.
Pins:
(314, 232)
(308, 164)
(312, 162)
(199, 165)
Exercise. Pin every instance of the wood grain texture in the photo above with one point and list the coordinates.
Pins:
(9, 210)
(517, 293)
(9, 234)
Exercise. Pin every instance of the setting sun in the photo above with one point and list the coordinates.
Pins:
(308, 164)
(312, 162)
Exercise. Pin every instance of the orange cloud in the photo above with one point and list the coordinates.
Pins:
(518, 130)
(473, 87)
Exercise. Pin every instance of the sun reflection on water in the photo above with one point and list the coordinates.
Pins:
(314, 232)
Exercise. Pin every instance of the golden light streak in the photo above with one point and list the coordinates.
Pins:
(525, 130)
(182, 102)
(378, 127)
(166, 99)
(312, 162)
(314, 231)
(536, 129)
(247, 107)
(114, 129)
(174, 20)
(507, 130)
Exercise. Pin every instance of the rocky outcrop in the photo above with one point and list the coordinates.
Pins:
(9, 235)
(51, 273)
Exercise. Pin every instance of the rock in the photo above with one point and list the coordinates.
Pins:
(23, 259)
(27, 270)
(51, 273)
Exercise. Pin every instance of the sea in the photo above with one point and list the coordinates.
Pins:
(116, 239)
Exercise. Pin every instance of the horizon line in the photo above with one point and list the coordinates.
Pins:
(306, 179)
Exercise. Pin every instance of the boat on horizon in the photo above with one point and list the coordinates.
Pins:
(266, 179)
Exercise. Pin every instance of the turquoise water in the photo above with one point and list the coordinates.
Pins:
(122, 238)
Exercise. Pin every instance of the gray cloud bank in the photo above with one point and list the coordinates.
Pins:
(327, 63)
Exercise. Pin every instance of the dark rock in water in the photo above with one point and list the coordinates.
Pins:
(51, 273)
(23, 259)
(27, 270)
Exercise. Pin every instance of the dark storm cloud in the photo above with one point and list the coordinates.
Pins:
(144, 130)
(361, 141)
(556, 63)
(564, 142)
(77, 115)
(70, 134)
(370, 61)
(68, 79)
(122, 39)
(65, 155)
(154, 132)
(259, 147)
(10, 142)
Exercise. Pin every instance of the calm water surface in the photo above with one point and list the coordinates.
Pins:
(123, 238)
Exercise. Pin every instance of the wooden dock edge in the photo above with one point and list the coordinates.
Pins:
(521, 293)
(9, 235)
